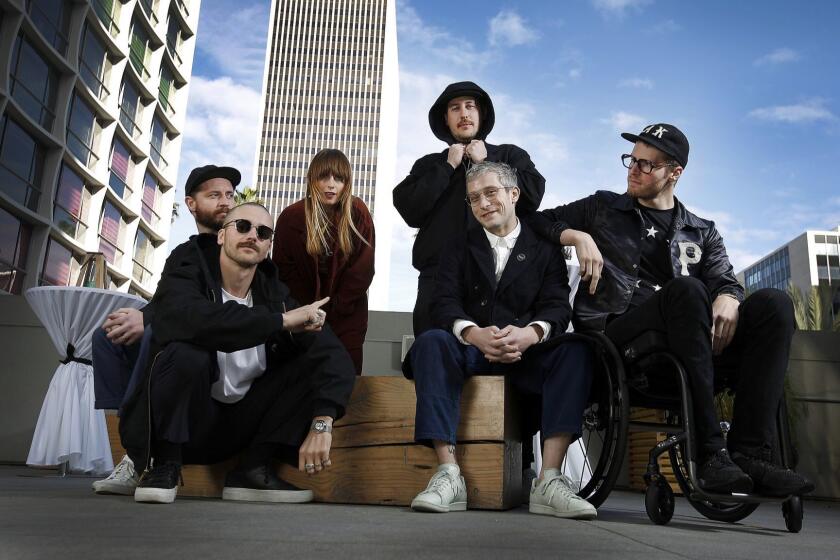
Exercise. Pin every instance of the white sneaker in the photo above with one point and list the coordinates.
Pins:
(553, 495)
(446, 492)
(122, 480)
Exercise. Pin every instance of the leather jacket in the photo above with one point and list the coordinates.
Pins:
(616, 226)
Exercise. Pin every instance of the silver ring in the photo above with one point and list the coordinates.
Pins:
(309, 466)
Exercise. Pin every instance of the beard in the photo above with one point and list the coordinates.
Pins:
(211, 219)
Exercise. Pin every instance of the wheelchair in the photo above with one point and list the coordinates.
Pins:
(644, 373)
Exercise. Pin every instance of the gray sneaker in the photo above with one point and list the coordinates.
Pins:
(446, 492)
(122, 480)
(553, 495)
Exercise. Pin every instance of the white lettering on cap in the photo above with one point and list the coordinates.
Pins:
(690, 253)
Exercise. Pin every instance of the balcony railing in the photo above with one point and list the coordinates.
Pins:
(112, 253)
(10, 183)
(173, 52)
(48, 28)
(183, 7)
(141, 274)
(146, 6)
(68, 222)
(106, 15)
(93, 81)
(79, 148)
(119, 186)
(138, 61)
(152, 218)
(26, 97)
(157, 157)
(163, 99)
(129, 123)
(11, 278)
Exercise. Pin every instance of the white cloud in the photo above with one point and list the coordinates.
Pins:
(638, 83)
(575, 73)
(664, 27)
(778, 56)
(238, 55)
(806, 112)
(622, 121)
(435, 42)
(618, 8)
(507, 28)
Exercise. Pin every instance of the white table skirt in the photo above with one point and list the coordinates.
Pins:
(69, 429)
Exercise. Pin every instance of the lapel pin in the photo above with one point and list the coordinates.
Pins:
(520, 257)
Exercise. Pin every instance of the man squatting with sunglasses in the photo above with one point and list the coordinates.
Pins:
(651, 265)
(235, 366)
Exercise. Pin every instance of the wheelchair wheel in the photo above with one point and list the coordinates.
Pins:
(729, 512)
(659, 501)
(792, 512)
(603, 439)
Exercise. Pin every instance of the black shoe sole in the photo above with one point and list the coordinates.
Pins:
(740, 486)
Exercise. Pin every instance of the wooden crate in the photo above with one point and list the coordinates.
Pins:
(375, 459)
(639, 445)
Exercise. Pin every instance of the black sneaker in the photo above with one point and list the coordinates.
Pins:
(770, 479)
(159, 485)
(261, 484)
(719, 475)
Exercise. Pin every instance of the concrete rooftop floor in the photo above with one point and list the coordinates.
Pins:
(61, 518)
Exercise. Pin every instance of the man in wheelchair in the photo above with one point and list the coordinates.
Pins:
(651, 265)
(502, 295)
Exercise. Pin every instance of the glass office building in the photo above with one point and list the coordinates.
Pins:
(92, 104)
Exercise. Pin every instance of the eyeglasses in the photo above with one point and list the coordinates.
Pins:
(645, 166)
(243, 226)
(490, 193)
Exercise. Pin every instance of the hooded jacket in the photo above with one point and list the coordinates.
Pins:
(616, 226)
(189, 308)
(432, 197)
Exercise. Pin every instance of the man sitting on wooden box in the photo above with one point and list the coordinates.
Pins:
(235, 367)
(502, 295)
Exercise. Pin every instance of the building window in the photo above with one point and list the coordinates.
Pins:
(130, 108)
(149, 9)
(110, 232)
(166, 91)
(21, 164)
(71, 203)
(14, 248)
(61, 266)
(139, 50)
(158, 144)
(82, 131)
(52, 19)
(120, 170)
(143, 255)
(173, 39)
(33, 83)
(150, 196)
(92, 63)
(108, 12)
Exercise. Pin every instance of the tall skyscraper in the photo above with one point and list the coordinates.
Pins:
(331, 81)
(92, 103)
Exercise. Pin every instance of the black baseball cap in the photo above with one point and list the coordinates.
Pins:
(207, 172)
(664, 137)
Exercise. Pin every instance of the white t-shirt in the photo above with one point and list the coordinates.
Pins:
(237, 370)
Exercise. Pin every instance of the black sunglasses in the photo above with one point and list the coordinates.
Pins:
(244, 226)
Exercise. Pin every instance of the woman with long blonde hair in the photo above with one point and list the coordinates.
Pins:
(323, 247)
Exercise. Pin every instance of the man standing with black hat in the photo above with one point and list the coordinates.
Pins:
(208, 194)
(431, 198)
(652, 265)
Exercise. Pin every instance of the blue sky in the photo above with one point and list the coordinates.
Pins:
(754, 85)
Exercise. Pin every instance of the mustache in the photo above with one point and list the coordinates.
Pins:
(247, 244)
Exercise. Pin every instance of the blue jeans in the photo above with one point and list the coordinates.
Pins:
(561, 374)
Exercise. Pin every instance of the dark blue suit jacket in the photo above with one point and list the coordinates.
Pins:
(534, 285)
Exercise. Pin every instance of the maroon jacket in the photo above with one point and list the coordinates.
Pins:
(346, 282)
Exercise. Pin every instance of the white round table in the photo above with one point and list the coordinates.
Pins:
(69, 429)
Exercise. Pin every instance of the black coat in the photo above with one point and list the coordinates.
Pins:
(534, 285)
(616, 226)
(189, 308)
(432, 197)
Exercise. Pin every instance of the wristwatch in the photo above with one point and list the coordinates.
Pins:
(321, 426)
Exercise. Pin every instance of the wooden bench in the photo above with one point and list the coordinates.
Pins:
(375, 459)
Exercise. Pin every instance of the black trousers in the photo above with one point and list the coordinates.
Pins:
(276, 411)
(754, 363)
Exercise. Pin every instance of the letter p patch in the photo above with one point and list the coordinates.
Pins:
(690, 253)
